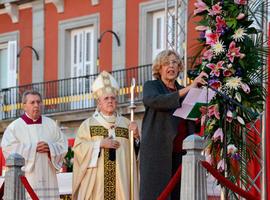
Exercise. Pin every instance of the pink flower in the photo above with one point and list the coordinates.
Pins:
(240, 16)
(201, 28)
(220, 165)
(215, 84)
(216, 9)
(227, 73)
(231, 149)
(207, 55)
(240, 2)
(245, 88)
(213, 110)
(229, 116)
(208, 158)
(201, 6)
(215, 68)
(211, 38)
(221, 24)
(218, 135)
(234, 52)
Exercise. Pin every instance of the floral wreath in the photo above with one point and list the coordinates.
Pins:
(232, 54)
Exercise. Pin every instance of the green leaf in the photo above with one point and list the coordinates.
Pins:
(238, 96)
(251, 30)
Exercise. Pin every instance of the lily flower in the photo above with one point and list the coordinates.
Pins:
(218, 135)
(215, 84)
(245, 87)
(207, 55)
(216, 9)
(221, 165)
(220, 25)
(211, 38)
(201, 6)
(234, 52)
(231, 149)
(213, 110)
(240, 2)
(208, 158)
(201, 28)
(229, 116)
(215, 68)
(227, 73)
(240, 16)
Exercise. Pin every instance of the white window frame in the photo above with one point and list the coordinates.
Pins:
(64, 41)
(158, 37)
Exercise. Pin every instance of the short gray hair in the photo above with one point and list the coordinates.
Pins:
(163, 57)
(30, 92)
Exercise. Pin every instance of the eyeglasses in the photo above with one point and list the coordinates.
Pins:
(171, 62)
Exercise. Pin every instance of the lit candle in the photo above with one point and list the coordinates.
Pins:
(132, 90)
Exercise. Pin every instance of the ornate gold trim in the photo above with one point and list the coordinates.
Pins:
(109, 177)
(101, 131)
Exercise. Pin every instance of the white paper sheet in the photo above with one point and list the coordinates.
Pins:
(195, 95)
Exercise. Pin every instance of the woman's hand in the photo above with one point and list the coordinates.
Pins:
(133, 126)
(199, 80)
(109, 143)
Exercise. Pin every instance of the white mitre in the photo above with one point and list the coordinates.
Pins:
(105, 83)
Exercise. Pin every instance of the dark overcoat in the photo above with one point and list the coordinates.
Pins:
(159, 128)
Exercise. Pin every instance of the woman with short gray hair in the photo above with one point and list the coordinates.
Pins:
(162, 133)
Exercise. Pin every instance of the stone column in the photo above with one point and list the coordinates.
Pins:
(193, 180)
(14, 189)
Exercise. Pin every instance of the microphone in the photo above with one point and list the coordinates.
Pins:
(192, 74)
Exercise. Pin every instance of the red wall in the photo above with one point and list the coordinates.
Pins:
(74, 9)
(267, 138)
(24, 26)
(132, 32)
(192, 46)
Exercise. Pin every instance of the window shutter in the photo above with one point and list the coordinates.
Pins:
(12, 63)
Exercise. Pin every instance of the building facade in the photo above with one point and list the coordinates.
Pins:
(58, 47)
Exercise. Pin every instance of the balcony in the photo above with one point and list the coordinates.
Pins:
(71, 95)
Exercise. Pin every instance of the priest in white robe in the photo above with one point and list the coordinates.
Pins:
(39, 140)
(102, 149)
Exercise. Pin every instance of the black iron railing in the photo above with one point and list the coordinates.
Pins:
(72, 93)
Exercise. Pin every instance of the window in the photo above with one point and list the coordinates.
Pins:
(77, 54)
(8, 62)
(152, 25)
(158, 36)
(82, 58)
(3, 66)
(8, 74)
(71, 30)
(82, 63)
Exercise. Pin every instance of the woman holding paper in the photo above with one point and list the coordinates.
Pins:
(163, 133)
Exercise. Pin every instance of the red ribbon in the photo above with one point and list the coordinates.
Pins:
(225, 182)
(171, 185)
(2, 190)
(29, 188)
